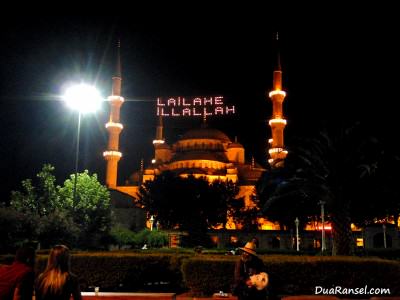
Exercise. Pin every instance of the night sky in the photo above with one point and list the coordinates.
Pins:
(330, 73)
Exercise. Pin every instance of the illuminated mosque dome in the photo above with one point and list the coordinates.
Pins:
(206, 133)
(202, 152)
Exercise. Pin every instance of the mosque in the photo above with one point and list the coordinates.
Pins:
(208, 152)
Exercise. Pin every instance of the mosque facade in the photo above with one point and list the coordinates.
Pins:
(210, 153)
(200, 152)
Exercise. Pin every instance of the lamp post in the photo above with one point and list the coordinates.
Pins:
(151, 222)
(323, 245)
(296, 221)
(83, 98)
(384, 235)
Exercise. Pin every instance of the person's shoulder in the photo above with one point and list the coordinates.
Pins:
(21, 269)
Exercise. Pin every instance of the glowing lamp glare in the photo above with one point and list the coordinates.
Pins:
(83, 98)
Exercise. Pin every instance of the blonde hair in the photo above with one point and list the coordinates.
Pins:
(58, 267)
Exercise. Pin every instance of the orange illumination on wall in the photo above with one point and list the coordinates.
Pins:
(214, 239)
(264, 224)
(267, 227)
(354, 227)
(327, 227)
(234, 239)
(313, 226)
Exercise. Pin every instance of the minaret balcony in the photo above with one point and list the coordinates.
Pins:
(277, 150)
(158, 142)
(114, 125)
(277, 121)
(111, 154)
(116, 99)
(277, 92)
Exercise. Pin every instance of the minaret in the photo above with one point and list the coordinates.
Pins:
(159, 132)
(162, 152)
(277, 150)
(114, 127)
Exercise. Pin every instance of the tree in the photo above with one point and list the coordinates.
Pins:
(190, 204)
(59, 218)
(57, 228)
(332, 166)
(16, 228)
(92, 209)
(39, 197)
(286, 194)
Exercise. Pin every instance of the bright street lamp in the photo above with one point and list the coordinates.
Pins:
(84, 98)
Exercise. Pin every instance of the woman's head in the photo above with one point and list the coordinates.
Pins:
(57, 270)
(59, 258)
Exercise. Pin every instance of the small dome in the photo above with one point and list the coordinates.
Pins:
(206, 133)
(235, 145)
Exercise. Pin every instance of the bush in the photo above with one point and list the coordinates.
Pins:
(123, 236)
(388, 253)
(153, 238)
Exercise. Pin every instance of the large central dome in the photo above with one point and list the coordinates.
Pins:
(206, 133)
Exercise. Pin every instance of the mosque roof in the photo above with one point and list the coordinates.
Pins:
(206, 133)
(200, 155)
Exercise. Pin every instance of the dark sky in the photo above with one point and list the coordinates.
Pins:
(333, 71)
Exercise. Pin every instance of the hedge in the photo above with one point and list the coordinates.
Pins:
(294, 275)
(204, 275)
(125, 272)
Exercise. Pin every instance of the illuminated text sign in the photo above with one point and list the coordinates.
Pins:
(198, 106)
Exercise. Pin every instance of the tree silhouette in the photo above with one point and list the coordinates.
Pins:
(333, 166)
(190, 204)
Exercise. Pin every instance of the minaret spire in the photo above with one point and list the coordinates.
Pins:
(204, 123)
(114, 127)
(277, 150)
(162, 151)
(278, 54)
(159, 131)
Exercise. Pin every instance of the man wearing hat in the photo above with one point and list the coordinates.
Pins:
(248, 265)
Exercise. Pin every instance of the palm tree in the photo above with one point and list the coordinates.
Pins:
(328, 167)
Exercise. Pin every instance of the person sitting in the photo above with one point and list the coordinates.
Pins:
(17, 279)
(57, 281)
(247, 266)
